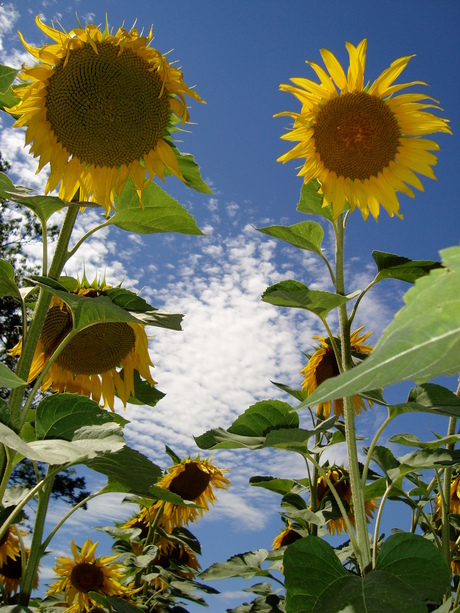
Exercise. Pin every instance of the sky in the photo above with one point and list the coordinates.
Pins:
(233, 345)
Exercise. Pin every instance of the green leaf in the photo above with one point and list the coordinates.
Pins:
(392, 266)
(159, 212)
(9, 379)
(296, 439)
(417, 562)
(413, 441)
(8, 286)
(144, 393)
(422, 342)
(87, 442)
(263, 417)
(245, 565)
(294, 294)
(299, 394)
(311, 201)
(7, 76)
(304, 235)
(61, 415)
(280, 486)
(410, 572)
(249, 430)
(191, 171)
(128, 468)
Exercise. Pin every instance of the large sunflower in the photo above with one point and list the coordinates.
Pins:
(339, 478)
(98, 108)
(286, 537)
(362, 142)
(193, 480)
(86, 573)
(88, 364)
(322, 365)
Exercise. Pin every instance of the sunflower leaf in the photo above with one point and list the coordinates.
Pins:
(311, 201)
(410, 571)
(7, 76)
(303, 235)
(128, 469)
(392, 266)
(245, 565)
(61, 415)
(158, 212)
(144, 393)
(8, 286)
(422, 342)
(280, 486)
(9, 379)
(190, 171)
(294, 294)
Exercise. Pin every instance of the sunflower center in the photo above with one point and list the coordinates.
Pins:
(356, 135)
(105, 108)
(12, 568)
(327, 367)
(290, 536)
(191, 482)
(86, 577)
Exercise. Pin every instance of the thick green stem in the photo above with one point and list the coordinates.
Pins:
(36, 549)
(362, 537)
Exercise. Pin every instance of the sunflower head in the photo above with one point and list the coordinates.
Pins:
(89, 363)
(10, 547)
(86, 573)
(286, 537)
(11, 573)
(362, 142)
(99, 107)
(322, 365)
(193, 480)
(339, 477)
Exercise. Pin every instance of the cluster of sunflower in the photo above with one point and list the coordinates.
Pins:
(157, 555)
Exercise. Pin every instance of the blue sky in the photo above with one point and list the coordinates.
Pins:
(237, 54)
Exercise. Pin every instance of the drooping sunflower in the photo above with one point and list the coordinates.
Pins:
(322, 365)
(286, 537)
(339, 477)
(88, 364)
(9, 547)
(86, 573)
(176, 559)
(362, 142)
(11, 573)
(193, 480)
(99, 107)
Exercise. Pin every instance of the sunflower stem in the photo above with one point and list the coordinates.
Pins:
(18, 416)
(36, 549)
(445, 508)
(363, 551)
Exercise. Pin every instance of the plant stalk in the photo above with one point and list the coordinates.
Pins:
(362, 537)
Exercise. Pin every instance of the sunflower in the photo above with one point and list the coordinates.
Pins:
(11, 573)
(362, 142)
(286, 537)
(10, 547)
(340, 479)
(86, 573)
(88, 364)
(322, 365)
(193, 481)
(176, 559)
(99, 107)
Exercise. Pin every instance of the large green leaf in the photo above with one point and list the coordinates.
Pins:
(132, 470)
(158, 212)
(86, 443)
(294, 294)
(245, 565)
(422, 342)
(429, 398)
(144, 393)
(250, 429)
(8, 285)
(410, 572)
(9, 379)
(42, 206)
(304, 235)
(7, 76)
(61, 415)
(392, 266)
